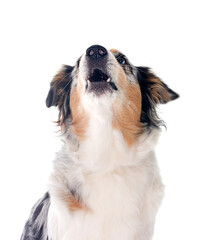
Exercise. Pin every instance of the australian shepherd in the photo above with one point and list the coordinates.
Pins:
(105, 183)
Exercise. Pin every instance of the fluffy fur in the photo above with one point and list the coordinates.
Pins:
(105, 183)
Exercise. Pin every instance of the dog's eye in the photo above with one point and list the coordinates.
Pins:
(121, 60)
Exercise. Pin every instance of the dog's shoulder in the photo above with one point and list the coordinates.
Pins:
(36, 226)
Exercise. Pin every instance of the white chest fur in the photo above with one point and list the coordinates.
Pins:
(120, 186)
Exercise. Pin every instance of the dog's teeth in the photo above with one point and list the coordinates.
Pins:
(108, 80)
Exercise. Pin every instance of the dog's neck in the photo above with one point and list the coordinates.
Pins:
(104, 148)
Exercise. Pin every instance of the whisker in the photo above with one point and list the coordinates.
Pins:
(69, 82)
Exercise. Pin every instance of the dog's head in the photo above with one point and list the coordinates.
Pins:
(103, 78)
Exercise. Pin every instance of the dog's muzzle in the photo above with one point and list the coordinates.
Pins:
(98, 79)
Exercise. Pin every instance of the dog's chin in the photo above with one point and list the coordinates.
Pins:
(99, 83)
(99, 88)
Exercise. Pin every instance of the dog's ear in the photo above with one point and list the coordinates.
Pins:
(153, 87)
(60, 83)
(154, 91)
(59, 93)
(51, 99)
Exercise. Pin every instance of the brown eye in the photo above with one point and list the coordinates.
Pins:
(121, 60)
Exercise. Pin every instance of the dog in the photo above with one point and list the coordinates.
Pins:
(105, 183)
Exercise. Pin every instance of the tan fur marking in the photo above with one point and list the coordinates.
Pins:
(114, 51)
(74, 204)
(71, 202)
(158, 91)
(79, 117)
(59, 76)
(127, 109)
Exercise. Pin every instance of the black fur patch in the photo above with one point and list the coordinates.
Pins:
(36, 226)
(59, 93)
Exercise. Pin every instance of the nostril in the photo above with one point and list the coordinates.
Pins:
(91, 53)
(101, 52)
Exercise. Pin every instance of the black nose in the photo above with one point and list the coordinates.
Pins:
(96, 52)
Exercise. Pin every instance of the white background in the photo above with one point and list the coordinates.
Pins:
(38, 36)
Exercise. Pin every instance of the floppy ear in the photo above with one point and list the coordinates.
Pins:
(154, 91)
(153, 87)
(59, 93)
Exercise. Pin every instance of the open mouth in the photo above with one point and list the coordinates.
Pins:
(99, 82)
(99, 76)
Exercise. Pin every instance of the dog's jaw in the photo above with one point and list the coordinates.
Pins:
(98, 77)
